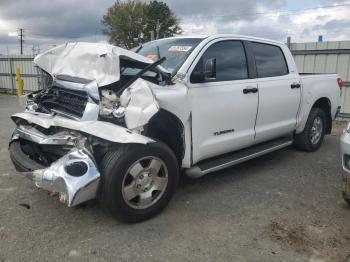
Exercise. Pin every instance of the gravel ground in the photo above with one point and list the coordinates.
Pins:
(285, 206)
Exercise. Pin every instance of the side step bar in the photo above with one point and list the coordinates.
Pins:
(231, 159)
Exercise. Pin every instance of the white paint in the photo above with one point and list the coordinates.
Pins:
(202, 108)
(140, 104)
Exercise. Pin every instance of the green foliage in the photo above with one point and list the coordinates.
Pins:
(159, 12)
(129, 23)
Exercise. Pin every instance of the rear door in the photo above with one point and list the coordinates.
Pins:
(279, 93)
(223, 114)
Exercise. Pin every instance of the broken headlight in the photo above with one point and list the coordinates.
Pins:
(110, 107)
(30, 101)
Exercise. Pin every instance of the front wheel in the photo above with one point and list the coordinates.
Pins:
(313, 134)
(138, 181)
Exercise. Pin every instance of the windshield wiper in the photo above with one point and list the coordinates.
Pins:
(158, 52)
(138, 49)
(140, 73)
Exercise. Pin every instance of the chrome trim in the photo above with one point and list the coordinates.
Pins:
(92, 109)
(61, 113)
(101, 129)
(91, 112)
(75, 190)
(33, 135)
(92, 89)
(55, 178)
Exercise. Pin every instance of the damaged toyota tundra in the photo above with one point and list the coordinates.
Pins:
(119, 125)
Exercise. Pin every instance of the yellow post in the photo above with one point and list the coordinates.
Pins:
(19, 82)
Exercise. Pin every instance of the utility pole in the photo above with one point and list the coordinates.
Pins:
(152, 35)
(289, 41)
(21, 36)
(157, 29)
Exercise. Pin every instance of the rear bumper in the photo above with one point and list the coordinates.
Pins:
(74, 175)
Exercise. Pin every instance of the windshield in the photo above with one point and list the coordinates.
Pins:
(175, 50)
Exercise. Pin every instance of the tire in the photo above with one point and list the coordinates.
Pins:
(306, 140)
(127, 171)
(346, 189)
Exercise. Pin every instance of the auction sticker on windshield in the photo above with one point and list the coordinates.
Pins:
(179, 48)
(152, 56)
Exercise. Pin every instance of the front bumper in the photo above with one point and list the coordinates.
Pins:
(74, 175)
(59, 176)
(345, 162)
(345, 151)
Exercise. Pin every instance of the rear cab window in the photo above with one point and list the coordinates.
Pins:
(270, 60)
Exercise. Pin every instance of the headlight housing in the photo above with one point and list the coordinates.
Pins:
(110, 108)
(348, 128)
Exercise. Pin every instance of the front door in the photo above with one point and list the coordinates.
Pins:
(224, 107)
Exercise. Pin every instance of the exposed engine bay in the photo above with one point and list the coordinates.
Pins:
(122, 97)
(132, 109)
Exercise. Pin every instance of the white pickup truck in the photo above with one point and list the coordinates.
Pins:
(119, 125)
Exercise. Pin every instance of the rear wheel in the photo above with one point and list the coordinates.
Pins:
(313, 134)
(138, 181)
(346, 188)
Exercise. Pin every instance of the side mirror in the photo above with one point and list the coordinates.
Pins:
(204, 71)
(210, 69)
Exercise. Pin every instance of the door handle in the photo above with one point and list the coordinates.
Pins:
(295, 85)
(250, 90)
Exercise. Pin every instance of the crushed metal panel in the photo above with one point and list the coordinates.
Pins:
(92, 61)
(140, 104)
(78, 189)
(104, 130)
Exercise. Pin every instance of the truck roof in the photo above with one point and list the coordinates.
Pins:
(215, 36)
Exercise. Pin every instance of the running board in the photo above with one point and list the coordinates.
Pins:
(231, 159)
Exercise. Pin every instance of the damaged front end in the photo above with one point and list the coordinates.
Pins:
(74, 175)
(67, 128)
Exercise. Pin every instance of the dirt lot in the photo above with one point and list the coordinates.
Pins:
(285, 206)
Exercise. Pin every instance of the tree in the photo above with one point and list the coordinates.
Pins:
(125, 23)
(161, 20)
(129, 23)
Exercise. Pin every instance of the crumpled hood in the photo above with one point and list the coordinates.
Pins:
(91, 61)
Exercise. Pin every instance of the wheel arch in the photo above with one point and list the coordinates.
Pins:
(168, 128)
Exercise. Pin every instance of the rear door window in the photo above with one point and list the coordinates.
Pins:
(270, 60)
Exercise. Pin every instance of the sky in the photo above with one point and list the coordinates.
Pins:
(49, 23)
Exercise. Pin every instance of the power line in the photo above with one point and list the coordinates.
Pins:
(275, 12)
